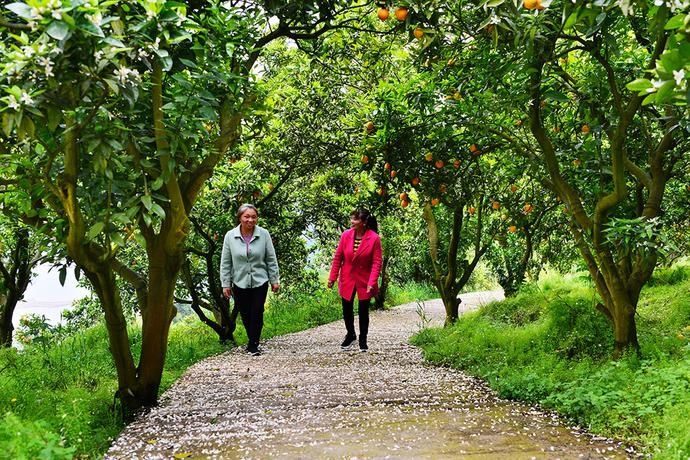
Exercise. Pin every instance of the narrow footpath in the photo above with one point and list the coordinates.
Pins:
(304, 398)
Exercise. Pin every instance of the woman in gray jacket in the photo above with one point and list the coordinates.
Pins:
(248, 264)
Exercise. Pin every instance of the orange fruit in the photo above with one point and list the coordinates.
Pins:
(403, 196)
(512, 229)
(387, 166)
(471, 210)
(435, 201)
(442, 188)
(577, 162)
(369, 126)
(365, 159)
(532, 4)
(474, 148)
(429, 156)
(527, 208)
(513, 188)
(418, 33)
(585, 129)
(393, 174)
(496, 205)
(439, 164)
(381, 191)
(404, 203)
(383, 14)
(401, 13)
(456, 164)
(415, 181)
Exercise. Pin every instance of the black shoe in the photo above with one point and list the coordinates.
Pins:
(254, 351)
(349, 340)
(363, 345)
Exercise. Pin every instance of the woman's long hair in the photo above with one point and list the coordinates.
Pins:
(367, 217)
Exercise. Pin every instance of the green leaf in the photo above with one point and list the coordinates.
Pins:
(27, 129)
(640, 84)
(114, 42)
(20, 9)
(117, 239)
(676, 22)
(158, 210)
(58, 30)
(113, 85)
(91, 28)
(649, 99)
(95, 230)
(146, 200)
(7, 123)
(63, 275)
(158, 183)
(188, 63)
(572, 20)
(665, 91)
(54, 117)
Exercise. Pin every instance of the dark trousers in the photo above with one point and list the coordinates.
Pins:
(349, 317)
(251, 305)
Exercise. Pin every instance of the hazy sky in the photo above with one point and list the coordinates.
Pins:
(46, 296)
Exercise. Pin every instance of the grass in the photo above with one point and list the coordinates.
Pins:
(549, 345)
(56, 401)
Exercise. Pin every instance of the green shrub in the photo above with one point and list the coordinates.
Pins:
(409, 292)
(669, 275)
(22, 439)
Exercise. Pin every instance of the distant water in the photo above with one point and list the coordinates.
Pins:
(46, 296)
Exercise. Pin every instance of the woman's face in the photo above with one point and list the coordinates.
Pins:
(356, 223)
(248, 219)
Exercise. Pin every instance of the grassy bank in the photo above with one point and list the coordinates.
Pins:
(57, 401)
(549, 345)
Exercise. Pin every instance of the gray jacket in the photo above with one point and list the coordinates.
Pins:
(248, 270)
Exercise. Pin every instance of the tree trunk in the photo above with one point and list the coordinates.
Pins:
(157, 316)
(103, 283)
(625, 330)
(6, 326)
(15, 280)
(451, 303)
(380, 299)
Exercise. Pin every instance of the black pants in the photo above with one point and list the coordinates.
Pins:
(251, 305)
(349, 317)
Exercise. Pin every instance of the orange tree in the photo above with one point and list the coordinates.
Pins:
(531, 221)
(603, 150)
(430, 162)
(114, 116)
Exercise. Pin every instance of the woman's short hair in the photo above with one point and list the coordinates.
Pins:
(244, 208)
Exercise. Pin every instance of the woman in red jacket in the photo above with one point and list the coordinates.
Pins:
(358, 262)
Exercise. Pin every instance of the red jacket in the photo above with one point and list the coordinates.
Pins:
(357, 270)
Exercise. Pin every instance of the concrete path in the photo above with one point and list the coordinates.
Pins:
(306, 399)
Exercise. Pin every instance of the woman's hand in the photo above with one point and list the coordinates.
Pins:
(227, 292)
(330, 284)
(275, 287)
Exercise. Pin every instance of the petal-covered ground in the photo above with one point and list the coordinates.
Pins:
(305, 398)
